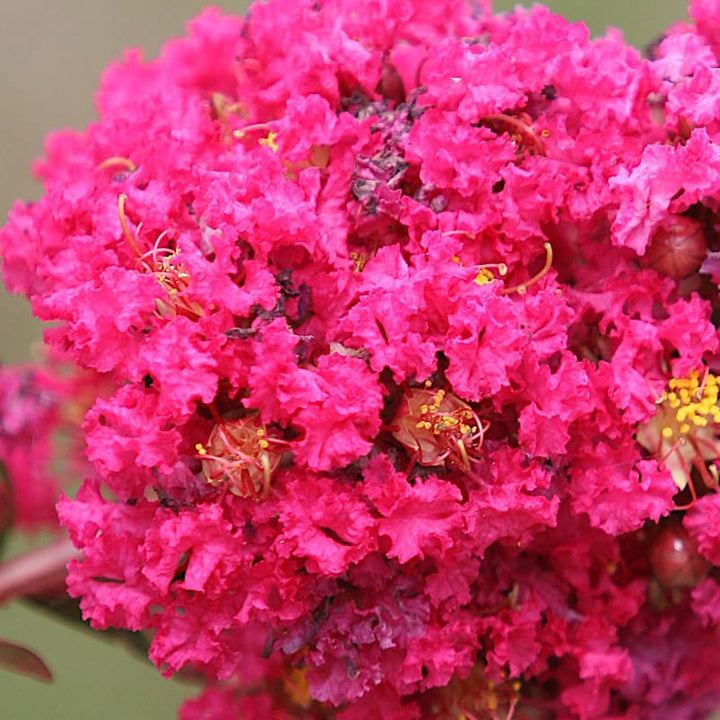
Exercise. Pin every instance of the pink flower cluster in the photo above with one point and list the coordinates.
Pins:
(409, 316)
(41, 407)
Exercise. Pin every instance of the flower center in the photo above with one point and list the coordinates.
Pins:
(478, 697)
(241, 455)
(521, 132)
(488, 272)
(162, 262)
(436, 426)
(683, 432)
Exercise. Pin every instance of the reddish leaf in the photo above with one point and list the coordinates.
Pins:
(21, 660)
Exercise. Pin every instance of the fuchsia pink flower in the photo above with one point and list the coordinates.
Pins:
(408, 323)
(41, 406)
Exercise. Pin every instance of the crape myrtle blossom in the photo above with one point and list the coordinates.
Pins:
(41, 452)
(41, 446)
(408, 323)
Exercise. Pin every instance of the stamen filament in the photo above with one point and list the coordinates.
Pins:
(240, 455)
(122, 198)
(683, 433)
(256, 127)
(523, 130)
(120, 161)
(437, 426)
(708, 479)
(522, 287)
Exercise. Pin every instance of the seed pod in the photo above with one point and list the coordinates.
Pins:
(678, 248)
(675, 560)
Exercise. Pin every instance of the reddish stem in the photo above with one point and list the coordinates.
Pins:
(37, 571)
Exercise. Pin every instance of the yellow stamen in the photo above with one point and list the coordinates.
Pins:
(160, 261)
(122, 198)
(435, 425)
(118, 161)
(484, 277)
(256, 127)
(522, 288)
(683, 432)
(240, 454)
(358, 260)
(269, 141)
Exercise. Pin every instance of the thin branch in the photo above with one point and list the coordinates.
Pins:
(37, 571)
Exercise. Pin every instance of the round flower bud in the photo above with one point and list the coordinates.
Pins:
(678, 248)
(674, 559)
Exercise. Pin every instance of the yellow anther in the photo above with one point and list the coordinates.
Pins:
(200, 449)
(683, 434)
(484, 277)
(269, 141)
(359, 261)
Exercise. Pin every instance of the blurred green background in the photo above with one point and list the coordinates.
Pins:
(51, 56)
